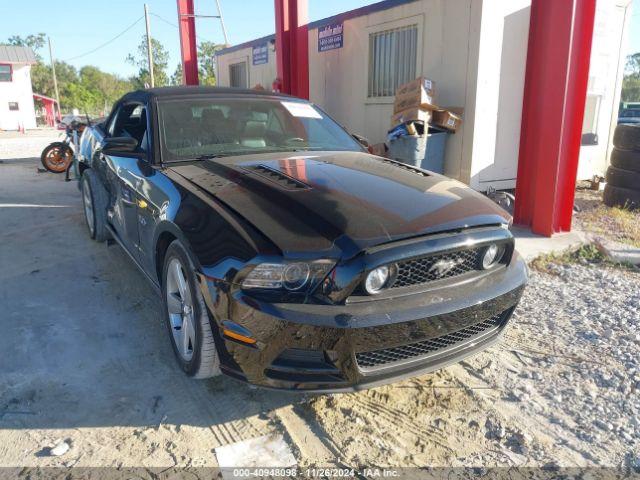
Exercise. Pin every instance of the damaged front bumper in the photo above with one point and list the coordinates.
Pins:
(323, 348)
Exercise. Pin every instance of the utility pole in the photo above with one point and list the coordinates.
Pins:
(224, 30)
(149, 51)
(55, 80)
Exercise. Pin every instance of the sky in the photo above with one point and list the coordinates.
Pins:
(87, 24)
(634, 29)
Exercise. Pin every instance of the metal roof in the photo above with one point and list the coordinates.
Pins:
(13, 54)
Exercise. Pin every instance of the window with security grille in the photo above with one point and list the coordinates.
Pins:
(13, 106)
(238, 75)
(392, 60)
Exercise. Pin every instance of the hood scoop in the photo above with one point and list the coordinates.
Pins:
(282, 179)
(404, 166)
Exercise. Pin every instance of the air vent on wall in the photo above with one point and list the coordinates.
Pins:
(278, 177)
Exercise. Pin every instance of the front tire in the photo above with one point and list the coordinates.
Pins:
(94, 201)
(186, 316)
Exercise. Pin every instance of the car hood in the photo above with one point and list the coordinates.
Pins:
(338, 203)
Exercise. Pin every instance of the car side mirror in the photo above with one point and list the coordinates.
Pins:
(115, 145)
(361, 140)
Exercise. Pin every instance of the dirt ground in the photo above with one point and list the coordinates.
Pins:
(86, 359)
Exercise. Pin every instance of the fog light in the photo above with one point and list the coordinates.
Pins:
(492, 255)
(376, 280)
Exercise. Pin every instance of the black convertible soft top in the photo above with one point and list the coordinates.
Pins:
(163, 92)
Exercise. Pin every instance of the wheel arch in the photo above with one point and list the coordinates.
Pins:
(166, 233)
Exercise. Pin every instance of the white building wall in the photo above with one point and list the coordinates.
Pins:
(475, 51)
(263, 74)
(605, 84)
(498, 89)
(338, 78)
(18, 90)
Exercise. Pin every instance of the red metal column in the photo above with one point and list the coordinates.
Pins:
(555, 90)
(188, 48)
(292, 46)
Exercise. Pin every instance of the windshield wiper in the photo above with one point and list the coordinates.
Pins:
(210, 156)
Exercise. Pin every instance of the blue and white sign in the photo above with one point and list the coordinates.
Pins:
(330, 37)
(260, 54)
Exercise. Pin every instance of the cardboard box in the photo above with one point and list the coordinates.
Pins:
(411, 115)
(419, 93)
(445, 118)
(379, 149)
(414, 86)
(418, 99)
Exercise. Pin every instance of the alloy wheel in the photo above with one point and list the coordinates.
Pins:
(87, 200)
(181, 310)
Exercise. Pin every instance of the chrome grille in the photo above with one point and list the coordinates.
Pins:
(428, 269)
(377, 358)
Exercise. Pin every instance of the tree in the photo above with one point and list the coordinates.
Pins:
(89, 89)
(160, 63)
(36, 42)
(631, 79)
(207, 62)
(176, 78)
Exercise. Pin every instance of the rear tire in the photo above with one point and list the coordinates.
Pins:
(186, 316)
(625, 159)
(618, 177)
(95, 200)
(56, 157)
(621, 197)
(627, 137)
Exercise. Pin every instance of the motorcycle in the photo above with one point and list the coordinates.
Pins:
(57, 157)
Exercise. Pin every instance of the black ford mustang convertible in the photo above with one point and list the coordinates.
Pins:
(287, 256)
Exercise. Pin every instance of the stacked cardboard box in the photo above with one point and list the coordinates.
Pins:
(415, 102)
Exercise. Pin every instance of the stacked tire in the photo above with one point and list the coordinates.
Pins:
(623, 176)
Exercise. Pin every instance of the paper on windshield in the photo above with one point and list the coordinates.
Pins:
(298, 109)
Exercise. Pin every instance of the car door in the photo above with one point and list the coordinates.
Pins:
(123, 172)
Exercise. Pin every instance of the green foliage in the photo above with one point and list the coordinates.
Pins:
(160, 64)
(631, 79)
(36, 42)
(176, 78)
(207, 62)
(90, 90)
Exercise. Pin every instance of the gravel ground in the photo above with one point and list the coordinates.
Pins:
(561, 388)
(88, 362)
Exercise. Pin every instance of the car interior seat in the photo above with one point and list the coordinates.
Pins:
(216, 127)
(253, 134)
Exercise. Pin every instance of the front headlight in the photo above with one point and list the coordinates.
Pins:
(290, 276)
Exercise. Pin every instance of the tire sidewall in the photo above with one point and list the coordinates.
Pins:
(622, 178)
(625, 159)
(86, 183)
(177, 250)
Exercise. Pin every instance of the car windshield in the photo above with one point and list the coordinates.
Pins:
(195, 127)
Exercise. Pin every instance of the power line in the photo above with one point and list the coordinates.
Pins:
(107, 42)
(176, 26)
